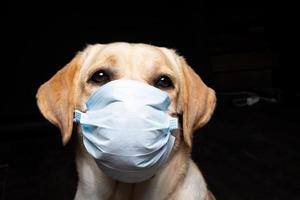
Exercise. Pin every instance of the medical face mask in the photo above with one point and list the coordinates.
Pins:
(127, 129)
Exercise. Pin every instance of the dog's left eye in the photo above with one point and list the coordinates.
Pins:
(163, 82)
(100, 77)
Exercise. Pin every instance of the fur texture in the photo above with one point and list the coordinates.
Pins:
(190, 98)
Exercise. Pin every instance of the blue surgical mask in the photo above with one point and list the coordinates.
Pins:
(127, 129)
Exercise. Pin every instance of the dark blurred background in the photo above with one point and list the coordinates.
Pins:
(249, 150)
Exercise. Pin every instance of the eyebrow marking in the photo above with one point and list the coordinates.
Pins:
(111, 60)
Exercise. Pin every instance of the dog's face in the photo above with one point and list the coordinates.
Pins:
(98, 64)
(140, 62)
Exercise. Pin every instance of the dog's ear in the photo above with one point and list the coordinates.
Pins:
(197, 101)
(56, 98)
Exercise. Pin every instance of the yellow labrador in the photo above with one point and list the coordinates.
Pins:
(191, 100)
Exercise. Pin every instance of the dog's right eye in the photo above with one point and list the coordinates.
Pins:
(100, 77)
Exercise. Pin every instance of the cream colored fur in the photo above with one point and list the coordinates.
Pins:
(190, 98)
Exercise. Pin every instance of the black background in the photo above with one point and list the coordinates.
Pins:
(244, 153)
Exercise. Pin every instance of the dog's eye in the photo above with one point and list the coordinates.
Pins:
(100, 77)
(163, 82)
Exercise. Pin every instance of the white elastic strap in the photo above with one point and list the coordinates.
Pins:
(173, 123)
(78, 116)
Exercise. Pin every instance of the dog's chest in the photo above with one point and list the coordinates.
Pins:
(125, 191)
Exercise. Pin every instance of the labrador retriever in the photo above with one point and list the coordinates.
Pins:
(191, 101)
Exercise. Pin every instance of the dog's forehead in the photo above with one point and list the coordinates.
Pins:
(124, 53)
(127, 50)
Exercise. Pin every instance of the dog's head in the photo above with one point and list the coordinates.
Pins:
(98, 64)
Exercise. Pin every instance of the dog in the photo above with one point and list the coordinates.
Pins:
(191, 101)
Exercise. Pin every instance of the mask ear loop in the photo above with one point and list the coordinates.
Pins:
(78, 115)
(173, 123)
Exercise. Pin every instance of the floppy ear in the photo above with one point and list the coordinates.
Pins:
(198, 101)
(56, 98)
